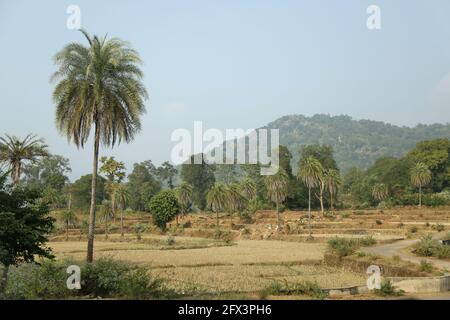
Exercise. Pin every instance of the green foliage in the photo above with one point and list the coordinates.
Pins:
(49, 172)
(387, 289)
(164, 208)
(200, 176)
(142, 185)
(307, 288)
(139, 229)
(166, 173)
(425, 266)
(342, 247)
(427, 247)
(81, 191)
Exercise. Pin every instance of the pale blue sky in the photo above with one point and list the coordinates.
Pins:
(235, 64)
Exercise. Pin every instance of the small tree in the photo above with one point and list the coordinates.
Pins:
(139, 229)
(277, 190)
(184, 196)
(379, 192)
(106, 213)
(164, 208)
(69, 219)
(24, 226)
(216, 199)
(122, 197)
(420, 176)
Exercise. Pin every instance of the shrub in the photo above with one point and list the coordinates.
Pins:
(342, 247)
(439, 227)
(387, 289)
(425, 266)
(379, 222)
(164, 208)
(426, 247)
(368, 241)
(413, 229)
(170, 240)
(139, 229)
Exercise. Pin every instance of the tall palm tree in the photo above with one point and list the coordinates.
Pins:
(106, 213)
(216, 199)
(184, 196)
(333, 181)
(379, 192)
(98, 86)
(122, 197)
(15, 151)
(420, 176)
(235, 201)
(277, 190)
(310, 172)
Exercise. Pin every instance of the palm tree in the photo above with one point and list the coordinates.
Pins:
(420, 176)
(184, 196)
(248, 189)
(310, 172)
(333, 181)
(235, 201)
(277, 190)
(122, 197)
(15, 151)
(106, 213)
(379, 192)
(216, 199)
(69, 218)
(100, 87)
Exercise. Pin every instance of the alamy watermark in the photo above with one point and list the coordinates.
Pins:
(236, 146)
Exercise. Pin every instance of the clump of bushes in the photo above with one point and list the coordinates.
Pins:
(388, 289)
(425, 266)
(139, 229)
(345, 247)
(105, 278)
(427, 247)
(307, 288)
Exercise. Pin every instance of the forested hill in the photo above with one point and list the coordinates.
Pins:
(355, 142)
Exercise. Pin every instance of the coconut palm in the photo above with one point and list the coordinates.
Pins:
(216, 199)
(277, 189)
(99, 87)
(122, 197)
(310, 172)
(379, 192)
(333, 181)
(106, 213)
(184, 196)
(420, 176)
(14, 152)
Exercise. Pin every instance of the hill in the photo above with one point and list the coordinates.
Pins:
(355, 142)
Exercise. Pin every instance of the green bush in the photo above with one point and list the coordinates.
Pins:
(139, 229)
(426, 247)
(439, 227)
(164, 208)
(425, 266)
(342, 247)
(387, 289)
(442, 251)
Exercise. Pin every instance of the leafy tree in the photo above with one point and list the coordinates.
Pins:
(115, 173)
(14, 152)
(379, 192)
(323, 153)
(310, 172)
(184, 196)
(216, 199)
(99, 86)
(81, 191)
(226, 173)
(24, 226)
(48, 172)
(164, 208)
(142, 185)
(200, 177)
(277, 189)
(420, 176)
(122, 197)
(166, 172)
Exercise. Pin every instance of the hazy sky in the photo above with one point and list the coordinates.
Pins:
(234, 64)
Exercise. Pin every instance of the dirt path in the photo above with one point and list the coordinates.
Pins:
(397, 249)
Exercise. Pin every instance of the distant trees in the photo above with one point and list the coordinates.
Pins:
(69, 219)
(99, 86)
(379, 192)
(420, 176)
(332, 181)
(166, 173)
(200, 177)
(115, 173)
(184, 196)
(142, 185)
(122, 197)
(14, 152)
(216, 199)
(81, 191)
(277, 190)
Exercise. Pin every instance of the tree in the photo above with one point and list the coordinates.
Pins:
(277, 190)
(24, 227)
(69, 219)
(81, 191)
(15, 151)
(184, 196)
(122, 197)
(333, 181)
(164, 208)
(200, 177)
(379, 191)
(323, 153)
(420, 176)
(115, 173)
(234, 200)
(216, 199)
(142, 185)
(166, 172)
(99, 86)
(248, 189)
(106, 213)
(48, 172)
(310, 172)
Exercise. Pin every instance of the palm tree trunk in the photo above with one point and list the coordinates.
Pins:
(278, 216)
(4, 280)
(420, 196)
(217, 219)
(15, 174)
(331, 201)
(67, 230)
(106, 228)
(309, 210)
(321, 199)
(121, 224)
(91, 232)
